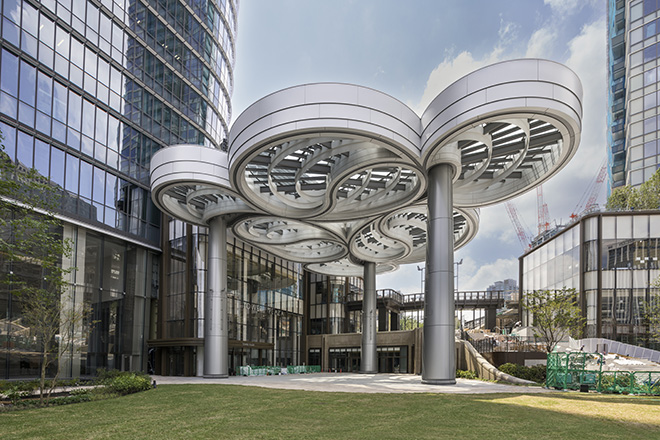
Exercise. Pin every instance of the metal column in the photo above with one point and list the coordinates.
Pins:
(216, 350)
(369, 356)
(438, 357)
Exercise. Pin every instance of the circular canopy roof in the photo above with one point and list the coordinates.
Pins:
(331, 175)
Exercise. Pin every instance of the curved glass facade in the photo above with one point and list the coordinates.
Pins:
(89, 90)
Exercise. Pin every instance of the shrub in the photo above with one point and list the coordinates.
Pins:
(127, 383)
(535, 373)
(463, 374)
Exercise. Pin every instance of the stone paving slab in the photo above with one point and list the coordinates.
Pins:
(357, 383)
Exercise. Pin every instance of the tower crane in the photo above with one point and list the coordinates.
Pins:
(544, 216)
(524, 238)
(593, 190)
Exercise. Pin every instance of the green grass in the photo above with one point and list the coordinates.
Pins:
(226, 411)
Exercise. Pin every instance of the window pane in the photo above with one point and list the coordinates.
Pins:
(88, 120)
(72, 171)
(59, 102)
(62, 42)
(75, 104)
(85, 179)
(99, 185)
(44, 92)
(57, 166)
(46, 31)
(8, 78)
(41, 157)
(24, 150)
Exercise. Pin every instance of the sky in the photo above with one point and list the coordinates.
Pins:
(412, 50)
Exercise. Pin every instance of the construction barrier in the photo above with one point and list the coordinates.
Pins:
(572, 371)
(274, 371)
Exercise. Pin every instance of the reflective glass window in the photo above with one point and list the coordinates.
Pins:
(24, 149)
(12, 10)
(44, 92)
(30, 19)
(99, 185)
(8, 78)
(650, 149)
(75, 106)
(110, 189)
(28, 83)
(72, 172)
(62, 42)
(46, 30)
(79, 8)
(88, 120)
(57, 166)
(101, 125)
(85, 179)
(59, 101)
(90, 62)
(649, 101)
(92, 17)
(77, 52)
(650, 125)
(9, 141)
(41, 157)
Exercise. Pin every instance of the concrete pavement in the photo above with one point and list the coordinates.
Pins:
(356, 383)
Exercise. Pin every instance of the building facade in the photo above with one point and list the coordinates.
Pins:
(611, 259)
(634, 97)
(90, 89)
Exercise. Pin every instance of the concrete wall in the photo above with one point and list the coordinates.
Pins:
(468, 358)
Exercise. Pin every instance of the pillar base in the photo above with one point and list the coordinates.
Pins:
(439, 381)
(368, 372)
(216, 376)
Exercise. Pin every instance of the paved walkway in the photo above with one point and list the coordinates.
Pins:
(356, 383)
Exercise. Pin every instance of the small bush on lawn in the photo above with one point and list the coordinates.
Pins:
(535, 373)
(128, 383)
(463, 374)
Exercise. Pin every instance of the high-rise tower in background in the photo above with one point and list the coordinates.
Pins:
(634, 98)
(90, 89)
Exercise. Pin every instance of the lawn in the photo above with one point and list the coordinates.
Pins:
(229, 411)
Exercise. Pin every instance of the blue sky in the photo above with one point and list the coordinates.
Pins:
(412, 50)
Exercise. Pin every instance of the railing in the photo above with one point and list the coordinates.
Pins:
(380, 294)
(274, 371)
(505, 343)
(572, 371)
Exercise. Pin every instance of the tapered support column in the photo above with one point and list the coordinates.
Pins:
(215, 303)
(438, 357)
(369, 359)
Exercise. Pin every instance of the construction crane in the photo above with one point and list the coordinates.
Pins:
(593, 190)
(544, 216)
(524, 238)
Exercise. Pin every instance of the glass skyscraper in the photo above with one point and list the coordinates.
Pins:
(90, 89)
(634, 97)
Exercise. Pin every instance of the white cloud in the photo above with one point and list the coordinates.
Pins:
(585, 54)
(541, 42)
(406, 280)
(450, 70)
(473, 276)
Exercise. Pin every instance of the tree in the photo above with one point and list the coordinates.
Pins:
(646, 196)
(556, 314)
(32, 248)
(651, 314)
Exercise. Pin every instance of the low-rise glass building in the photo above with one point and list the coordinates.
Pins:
(611, 259)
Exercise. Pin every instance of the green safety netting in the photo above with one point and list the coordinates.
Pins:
(273, 371)
(572, 371)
